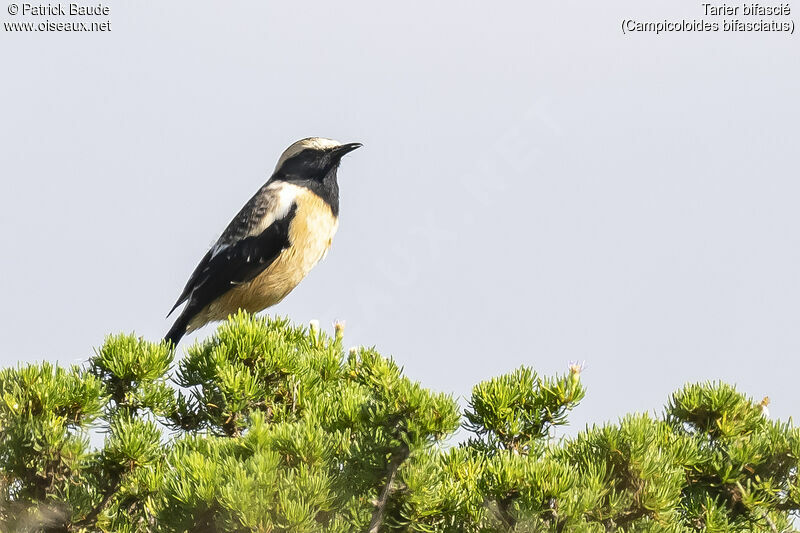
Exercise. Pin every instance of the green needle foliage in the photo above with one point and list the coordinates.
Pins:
(270, 427)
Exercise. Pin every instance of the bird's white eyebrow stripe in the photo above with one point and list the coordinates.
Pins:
(316, 143)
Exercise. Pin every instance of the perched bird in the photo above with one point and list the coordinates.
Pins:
(276, 239)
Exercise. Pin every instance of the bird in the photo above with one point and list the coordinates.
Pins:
(274, 241)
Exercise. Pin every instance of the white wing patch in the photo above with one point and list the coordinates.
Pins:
(285, 194)
(283, 197)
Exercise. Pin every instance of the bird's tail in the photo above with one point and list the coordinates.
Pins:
(178, 329)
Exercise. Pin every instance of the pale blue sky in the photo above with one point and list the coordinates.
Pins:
(535, 187)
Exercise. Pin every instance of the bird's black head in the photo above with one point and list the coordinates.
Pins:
(314, 158)
(313, 163)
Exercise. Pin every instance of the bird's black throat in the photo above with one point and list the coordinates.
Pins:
(314, 172)
(326, 188)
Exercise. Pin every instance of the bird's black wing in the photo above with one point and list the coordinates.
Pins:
(234, 263)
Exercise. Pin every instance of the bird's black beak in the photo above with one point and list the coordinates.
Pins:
(339, 151)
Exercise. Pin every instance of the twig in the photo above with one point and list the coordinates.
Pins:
(771, 523)
(380, 506)
(89, 519)
(500, 510)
